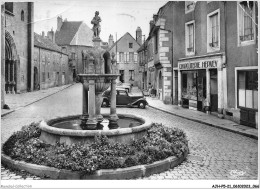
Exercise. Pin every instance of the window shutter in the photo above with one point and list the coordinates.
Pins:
(127, 55)
(135, 57)
(117, 57)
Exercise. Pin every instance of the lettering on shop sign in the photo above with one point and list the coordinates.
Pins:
(198, 65)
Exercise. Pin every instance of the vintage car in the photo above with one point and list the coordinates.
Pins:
(124, 98)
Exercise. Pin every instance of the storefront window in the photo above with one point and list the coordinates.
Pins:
(189, 88)
(248, 89)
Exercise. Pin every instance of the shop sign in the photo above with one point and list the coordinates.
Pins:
(203, 64)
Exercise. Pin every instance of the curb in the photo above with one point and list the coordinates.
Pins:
(11, 111)
(103, 174)
(200, 121)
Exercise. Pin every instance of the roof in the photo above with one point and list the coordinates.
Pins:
(127, 33)
(143, 47)
(45, 43)
(67, 32)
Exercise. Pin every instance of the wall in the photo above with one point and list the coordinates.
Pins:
(237, 56)
(78, 56)
(49, 63)
(123, 46)
(19, 31)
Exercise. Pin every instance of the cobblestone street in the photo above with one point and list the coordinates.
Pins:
(215, 154)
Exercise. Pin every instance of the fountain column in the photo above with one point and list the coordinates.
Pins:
(113, 116)
(92, 120)
(84, 116)
(99, 100)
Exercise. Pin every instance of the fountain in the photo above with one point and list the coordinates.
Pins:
(99, 74)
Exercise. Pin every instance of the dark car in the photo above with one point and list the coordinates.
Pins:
(123, 98)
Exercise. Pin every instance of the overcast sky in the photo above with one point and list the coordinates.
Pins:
(117, 16)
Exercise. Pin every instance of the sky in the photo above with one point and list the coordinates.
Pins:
(118, 17)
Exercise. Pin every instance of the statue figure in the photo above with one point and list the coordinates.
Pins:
(96, 26)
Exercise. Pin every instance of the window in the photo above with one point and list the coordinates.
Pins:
(22, 15)
(156, 42)
(189, 6)
(9, 7)
(248, 89)
(43, 77)
(190, 40)
(213, 31)
(131, 57)
(126, 57)
(73, 56)
(122, 93)
(246, 21)
(48, 75)
(130, 45)
(121, 57)
(135, 58)
(132, 75)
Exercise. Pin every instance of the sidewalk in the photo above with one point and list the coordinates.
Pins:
(17, 101)
(204, 118)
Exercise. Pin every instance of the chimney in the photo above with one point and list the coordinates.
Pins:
(110, 40)
(151, 24)
(59, 23)
(139, 35)
(51, 35)
(43, 34)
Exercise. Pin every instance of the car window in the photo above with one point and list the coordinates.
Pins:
(122, 93)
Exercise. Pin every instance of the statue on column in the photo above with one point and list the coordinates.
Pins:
(96, 26)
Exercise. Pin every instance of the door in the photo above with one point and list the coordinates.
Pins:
(201, 88)
(122, 76)
(247, 117)
(57, 79)
(213, 90)
(122, 98)
(36, 85)
(63, 78)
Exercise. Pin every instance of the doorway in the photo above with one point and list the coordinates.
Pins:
(214, 90)
(122, 76)
(36, 85)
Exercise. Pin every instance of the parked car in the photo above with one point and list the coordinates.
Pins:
(123, 98)
(121, 85)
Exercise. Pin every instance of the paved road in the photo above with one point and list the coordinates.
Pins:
(214, 153)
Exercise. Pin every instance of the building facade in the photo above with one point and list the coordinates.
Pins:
(125, 50)
(76, 37)
(219, 69)
(17, 47)
(51, 64)
(164, 46)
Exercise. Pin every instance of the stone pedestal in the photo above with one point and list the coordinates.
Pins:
(97, 42)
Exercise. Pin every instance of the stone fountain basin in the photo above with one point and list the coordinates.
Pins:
(51, 135)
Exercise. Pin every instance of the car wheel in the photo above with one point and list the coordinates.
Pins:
(141, 105)
(105, 103)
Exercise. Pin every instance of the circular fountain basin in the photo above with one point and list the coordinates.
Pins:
(67, 130)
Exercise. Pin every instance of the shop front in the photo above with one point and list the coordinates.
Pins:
(200, 83)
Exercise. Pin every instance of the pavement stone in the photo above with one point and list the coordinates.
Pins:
(214, 153)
